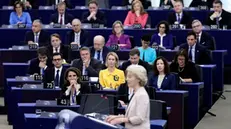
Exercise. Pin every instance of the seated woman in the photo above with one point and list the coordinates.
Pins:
(111, 77)
(118, 37)
(138, 111)
(20, 17)
(185, 68)
(163, 38)
(72, 88)
(137, 15)
(162, 78)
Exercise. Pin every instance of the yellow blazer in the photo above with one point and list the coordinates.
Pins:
(138, 111)
(111, 80)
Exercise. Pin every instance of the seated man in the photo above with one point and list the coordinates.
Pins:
(39, 65)
(147, 53)
(55, 73)
(93, 16)
(179, 16)
(196, 53)
(30, 4)
(78, 35)
(219, 16)
(57, 47)
(134, 58)
(99, 51)
(37, 35)
(203, 38)
(62, 17)
(87, 65)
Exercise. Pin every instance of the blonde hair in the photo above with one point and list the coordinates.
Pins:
(142, 11)
(113, 26)
(140, 72)
(116, 58)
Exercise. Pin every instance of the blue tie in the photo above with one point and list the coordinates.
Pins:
(57, 78)
(98, 55)
(178, 19)
(190, 53)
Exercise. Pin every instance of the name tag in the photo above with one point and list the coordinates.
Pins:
(137, 26)
(175, 26)
(57, 25)
(166, 7)
(21, 25)
(49, 114)
(225, 27)
(202, 7)
(32, 86)
(214, 27)
(49, 85)
(38, 77)
(45, 103)
(85, 78)
(95, 25)
(63, 101)
(115, 47)
(74, 47)
(33, 46)
(21, 78)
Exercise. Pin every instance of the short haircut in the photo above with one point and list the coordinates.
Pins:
(76, 71)
(61, 4)
(38, 21)
(93, 2)
(113, 26)
(56, 36)
(20, 3)
(166, 26)
(85, 49)
(146, 38)
(42, 51)
(166, 66)
(195, 21)
(183, 53)
(57, 54)
(218, 2)
(116, 58)
(191, 33)
(134, 51)
(179, 1)
(101, 37)
(140, 72)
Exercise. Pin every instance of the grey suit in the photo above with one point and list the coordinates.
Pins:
(93, 68)
(138, 110)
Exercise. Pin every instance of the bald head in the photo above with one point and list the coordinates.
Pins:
(76, 25)
(99, 42)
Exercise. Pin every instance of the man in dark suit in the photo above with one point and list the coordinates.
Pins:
(87, 65)
(135, 59)
(56, 2)
(179, 16)
(78, 35)
(219, 16)
(196, 52)
(29, 4)
(203, 38)
(57, 47)
(94, 15)
(62, 17)
(37, 35)
(41, 63)
(55, 73)
(99, 51)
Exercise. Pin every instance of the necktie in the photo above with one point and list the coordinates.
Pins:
(190, 53)
(56, 50)
(98, 55)
(84, 72)
(36, 38)
(217, 22)
(178, 18)
(198, 38)
(61, 19)
(57, 78)
(42, 71)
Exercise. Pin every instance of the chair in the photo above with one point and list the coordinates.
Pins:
(133, 44)
(177, 79)
(174, 41)
(151, 92)
(158, 110)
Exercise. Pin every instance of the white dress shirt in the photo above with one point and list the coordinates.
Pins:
(63, 19)
(72, 95)
(130, 93)
(60, 71)
(199, 37)
(77, 37)
(54, 50)
(36, 37)
(193, 52)
(160, 80)
(161, 39)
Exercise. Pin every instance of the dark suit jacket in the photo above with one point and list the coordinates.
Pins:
(226, 19)
(141, 62)
(52, 2)
(105, 52)
(93, 68)
(68, 18)
(64, 50)
(168, 83)
(49, 76)
(201, 55)
(186, 19)
(44, 38)
(100, 18)
(207, 41)
(84, 38)
(34, 66)
(33, 3)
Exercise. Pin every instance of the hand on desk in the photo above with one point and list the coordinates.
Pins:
(113, 119)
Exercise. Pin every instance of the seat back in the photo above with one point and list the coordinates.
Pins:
(158, 109)
(177, 79)
(151, 92)
(133, 44)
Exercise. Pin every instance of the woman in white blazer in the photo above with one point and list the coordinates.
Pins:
(137, 114)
